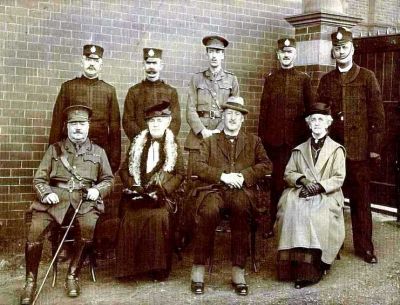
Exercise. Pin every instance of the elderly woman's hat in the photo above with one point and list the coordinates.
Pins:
(160, 109)
(320, 108)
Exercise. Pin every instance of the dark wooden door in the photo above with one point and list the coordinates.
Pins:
(381, 54)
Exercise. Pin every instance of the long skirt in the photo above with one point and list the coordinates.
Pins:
(144, 242)
(300, 264)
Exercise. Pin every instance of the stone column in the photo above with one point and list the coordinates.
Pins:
(312, 31)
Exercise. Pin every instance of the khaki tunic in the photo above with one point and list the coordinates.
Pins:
(207, 93)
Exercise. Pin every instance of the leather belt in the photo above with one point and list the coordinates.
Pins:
(212, 114)
(71, 185)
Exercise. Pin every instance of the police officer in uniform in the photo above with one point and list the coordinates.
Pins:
(148, 93)
(89, 90)
(208, 91)
(286, 96)
(354, 95)
(69, 169)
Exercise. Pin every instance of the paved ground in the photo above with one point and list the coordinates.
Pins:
(350, 281)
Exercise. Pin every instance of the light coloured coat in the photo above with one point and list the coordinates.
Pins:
(315, 222)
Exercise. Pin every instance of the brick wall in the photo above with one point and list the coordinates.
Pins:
(40, 47)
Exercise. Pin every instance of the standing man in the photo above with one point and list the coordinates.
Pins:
(69, 169)
(286, 96)
(89, 90)
(356, 102)
(208, 91)
(229, 166)
(146, 94)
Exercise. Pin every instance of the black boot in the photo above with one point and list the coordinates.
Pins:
(33, 253)
(81, 249)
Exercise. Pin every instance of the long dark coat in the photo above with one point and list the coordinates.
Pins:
(144, 95)
(286, 96)
(356, 104)
(105, 123)
(144, 240)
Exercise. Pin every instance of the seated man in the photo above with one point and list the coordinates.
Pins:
(153, 170)
(230, 164)
(310, 218)
(71, 170)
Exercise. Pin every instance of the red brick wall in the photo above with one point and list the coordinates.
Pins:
(40, 47)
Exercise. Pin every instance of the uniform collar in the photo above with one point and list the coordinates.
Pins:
(220, 74)
(70, 147)
(148, 82)
(89, 80)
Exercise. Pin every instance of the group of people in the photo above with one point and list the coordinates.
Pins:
(308, 144)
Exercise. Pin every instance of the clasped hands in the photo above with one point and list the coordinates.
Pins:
(233, 180)
(309, 188)
(52, 198)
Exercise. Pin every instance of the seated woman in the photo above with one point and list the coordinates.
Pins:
(310, 220)
(153, 170)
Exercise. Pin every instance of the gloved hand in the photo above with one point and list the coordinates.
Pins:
(304, 193)
(314, 189)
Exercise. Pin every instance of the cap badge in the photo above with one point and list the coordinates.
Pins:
(339, 36)
(151, 52)
(287, 42)
(93, 49)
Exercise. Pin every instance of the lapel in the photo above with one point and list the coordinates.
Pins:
(241, 141)
(305, 150)
(351, 75)
(222, 144)
(325, 153)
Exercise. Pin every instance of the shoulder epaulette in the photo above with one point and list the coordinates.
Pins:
(229, 72)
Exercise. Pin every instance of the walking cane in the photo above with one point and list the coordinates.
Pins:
(58, 250)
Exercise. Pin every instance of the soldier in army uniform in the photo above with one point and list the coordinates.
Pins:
(208, 91)
(89, 90)
(355, 98)
(69, 169)
(286, 96)
(147, 93)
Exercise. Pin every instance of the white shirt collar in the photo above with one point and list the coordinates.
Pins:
(347, 69)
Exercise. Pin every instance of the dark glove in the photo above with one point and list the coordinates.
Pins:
(303, 181)
(304, 193)
(315, 189)
(155, 192)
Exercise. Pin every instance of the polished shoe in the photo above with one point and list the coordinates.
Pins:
(301, 284)
(197, 287)
(28, 293)
(241, 289)
(370, 257)
(72, 286)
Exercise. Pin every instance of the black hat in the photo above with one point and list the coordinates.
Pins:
(286, 42)
(341, 36)
(215, 42)
(93, 51)
(235, 103)
(160, 109)
(77, 113)
(151, 53)
(320, 108)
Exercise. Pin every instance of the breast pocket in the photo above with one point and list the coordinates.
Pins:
(204, 97)
(91, 165)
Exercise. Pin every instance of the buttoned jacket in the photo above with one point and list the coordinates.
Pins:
(105, 122)
(90, 163)
(207, 93)
(357, 108)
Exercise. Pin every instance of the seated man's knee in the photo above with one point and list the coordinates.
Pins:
(240, 203)
(209, 209)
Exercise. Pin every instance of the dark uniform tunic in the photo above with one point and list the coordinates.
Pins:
(245, 155)
(359, 123)
(144, 95)
(286, 96)
(91, 164)
(105, 122)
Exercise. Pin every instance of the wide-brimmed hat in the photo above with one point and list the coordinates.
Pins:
(235, 103)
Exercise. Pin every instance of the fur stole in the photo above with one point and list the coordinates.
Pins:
(139, 151)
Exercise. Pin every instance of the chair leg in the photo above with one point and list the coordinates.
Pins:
(253, 249)
(55, 271)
